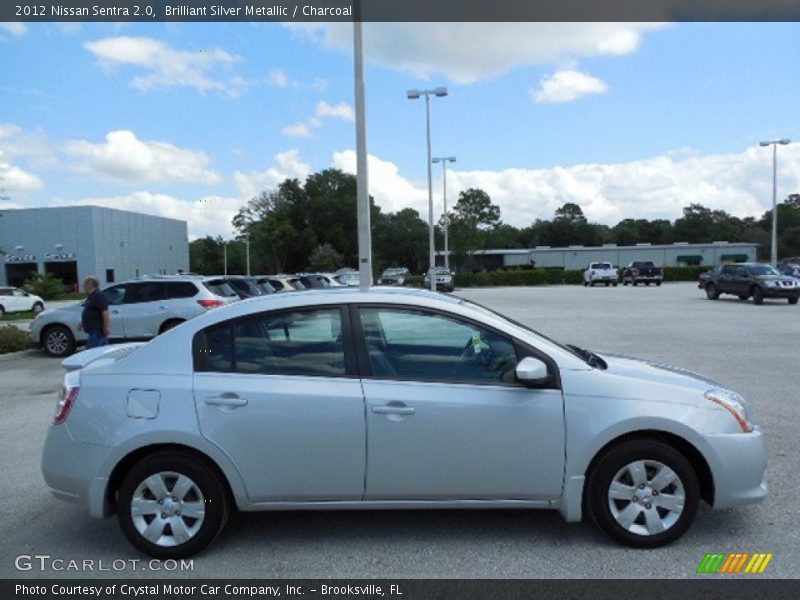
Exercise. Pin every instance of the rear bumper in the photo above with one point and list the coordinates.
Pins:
(72, 470)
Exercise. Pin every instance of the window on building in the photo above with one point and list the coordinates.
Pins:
(109, 275)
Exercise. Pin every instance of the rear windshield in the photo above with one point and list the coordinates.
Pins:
(220, 288)
(601, 266)
(648, 264)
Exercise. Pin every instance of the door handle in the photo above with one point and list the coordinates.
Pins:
(227, 400)
(388, 409)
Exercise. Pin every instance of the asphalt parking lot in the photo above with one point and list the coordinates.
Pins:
(752, 349)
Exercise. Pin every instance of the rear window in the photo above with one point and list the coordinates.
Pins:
(601, 266)
(644, 265)
(220, 288)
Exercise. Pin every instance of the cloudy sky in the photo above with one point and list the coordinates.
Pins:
(192, 120)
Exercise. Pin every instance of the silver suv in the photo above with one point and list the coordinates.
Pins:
(140, 309)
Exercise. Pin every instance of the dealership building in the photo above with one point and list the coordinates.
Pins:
(73, 242)
(579, 257)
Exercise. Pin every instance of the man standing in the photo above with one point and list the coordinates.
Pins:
(95, 320)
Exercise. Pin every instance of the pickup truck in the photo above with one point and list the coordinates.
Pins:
(600, 272)
(642, 271)
(752, 280)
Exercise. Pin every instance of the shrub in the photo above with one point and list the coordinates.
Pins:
(48, 286)
(12, 339)
(687, 273)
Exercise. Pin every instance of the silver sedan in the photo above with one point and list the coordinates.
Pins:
(394, 399)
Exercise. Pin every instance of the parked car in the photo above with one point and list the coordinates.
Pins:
(140, 309)
(444, 279)
(247, 287)
(275, 404)
(284, 283)
(396, 276)
(642, 271)
(752, 280)
(702, 279)
(318, 280)
(790, 267)
(14, 299)
(600, 272)
(348, 278)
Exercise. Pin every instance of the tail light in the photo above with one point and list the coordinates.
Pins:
(210, 303)
(65, 402)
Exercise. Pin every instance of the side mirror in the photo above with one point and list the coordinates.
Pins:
(532, 371)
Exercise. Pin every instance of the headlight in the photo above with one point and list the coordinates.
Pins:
(733, 403)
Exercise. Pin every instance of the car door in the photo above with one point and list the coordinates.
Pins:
(279, 393)
(742, 281)
(115, 296)
(145, 309)
(17, 301)
(446, 419)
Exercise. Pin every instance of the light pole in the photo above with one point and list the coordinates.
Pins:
(444, 160)
(774, 245)
(414, 95)
(362, 179)
(225, 258)
(247, 252)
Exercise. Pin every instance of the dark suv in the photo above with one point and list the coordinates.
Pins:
(752, 280)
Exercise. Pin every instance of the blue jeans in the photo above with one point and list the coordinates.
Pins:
(96, 339)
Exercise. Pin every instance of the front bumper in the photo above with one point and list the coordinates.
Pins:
(72, 470)
(738, 462)
(770, 292)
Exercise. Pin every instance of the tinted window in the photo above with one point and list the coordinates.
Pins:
(115, 294)
(601, 266)
(417, 345)
(728, 270)
(761, 270)
(150, 291)
(298, 343)
(220, 288)
(180, 289)
(5, 291)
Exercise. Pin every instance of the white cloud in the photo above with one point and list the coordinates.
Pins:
(33, 146)
(13, 179)
(658, 187)
(470, 52)
(277, 78)
(16, 29)
(209, 215)
(166, 66)
(339, 111)
(566, 86)
(305, 129)
(126, 158)
(287, 165)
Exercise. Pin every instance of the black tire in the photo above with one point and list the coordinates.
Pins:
(647, 283)
(591, 283)
(210, 484)
(792, 300)
(743, 296)
(624, 282)
(712, 293)
(2, 311)
(758, 295)
(167, 325)
(615, 284)
(658, 284)
(58, 341)
(585, 283)
(607, 283)
(634, 282)
(611, 462)
(37, 307)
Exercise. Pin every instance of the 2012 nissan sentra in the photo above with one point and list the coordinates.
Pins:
(394, 399)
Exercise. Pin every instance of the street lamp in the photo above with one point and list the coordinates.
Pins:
(444, 160)
(415, 95)
(774, 245)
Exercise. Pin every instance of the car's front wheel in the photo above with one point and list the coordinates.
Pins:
(643, 493)
(58, 341)
(758, 295)
(711, 292)
(172, 505)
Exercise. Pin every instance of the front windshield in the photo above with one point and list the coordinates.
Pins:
(758, 270)
(393, 271)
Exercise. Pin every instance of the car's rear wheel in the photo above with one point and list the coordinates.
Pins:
(792, 300)
(643, 493)
(2, 311)
(711, 292)
(58, 341)
(758, 295)
(37, 307)
(172, 505)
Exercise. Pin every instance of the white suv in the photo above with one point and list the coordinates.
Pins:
(600, 272)
(140, 309)
(16, 300)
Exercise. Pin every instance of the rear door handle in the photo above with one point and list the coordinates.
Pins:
(388, 409)
(227, 400)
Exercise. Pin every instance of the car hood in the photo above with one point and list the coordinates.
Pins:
(66, 312)
(657, 373)
(775, 278)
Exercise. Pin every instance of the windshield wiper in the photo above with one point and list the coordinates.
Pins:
(590, 357)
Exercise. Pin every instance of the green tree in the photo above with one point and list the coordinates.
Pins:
(473, 214)
(324, 258)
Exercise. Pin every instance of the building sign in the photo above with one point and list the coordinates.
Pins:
(21, 258)
(57, 256)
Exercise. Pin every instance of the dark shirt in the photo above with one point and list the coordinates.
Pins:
(92, 317)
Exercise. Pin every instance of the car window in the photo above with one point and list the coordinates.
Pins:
(427, 346)
(728, 270)
(150, 291)
(20, 293)
(115, 294)
(220, 288)
(5, 291)
(741, 272)
(308, 342)
(179, 289)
